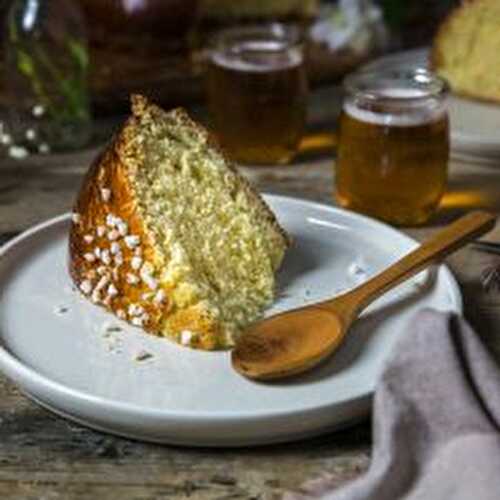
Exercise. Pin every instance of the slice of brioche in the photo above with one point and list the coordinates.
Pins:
(168, 236)
(466, 50)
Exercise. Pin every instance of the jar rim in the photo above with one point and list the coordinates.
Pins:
(369, 84)
(289, 36)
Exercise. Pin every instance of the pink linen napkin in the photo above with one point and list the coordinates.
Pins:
(436, 420)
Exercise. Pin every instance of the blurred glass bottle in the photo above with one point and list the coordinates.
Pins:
(46, 65)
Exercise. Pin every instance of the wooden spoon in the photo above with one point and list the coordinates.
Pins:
(294, 341)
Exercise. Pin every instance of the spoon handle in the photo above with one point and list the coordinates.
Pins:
(445, 242)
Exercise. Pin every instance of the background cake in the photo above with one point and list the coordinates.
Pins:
(466, 50)
(168, 236)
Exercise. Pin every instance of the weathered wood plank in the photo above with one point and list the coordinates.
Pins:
(43, 456)
(42, 453)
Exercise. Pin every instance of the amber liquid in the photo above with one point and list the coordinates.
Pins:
(397, 173)
(258, 111)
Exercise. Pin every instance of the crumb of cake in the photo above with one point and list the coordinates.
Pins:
(88, 238)
(61, 309)
(357, 271)
(112, 291)
(76, 218)
(121, 314)
(143, 355)
(118, 258)
(113, 342)
(105, 194)
(111, 328)
(100, 231)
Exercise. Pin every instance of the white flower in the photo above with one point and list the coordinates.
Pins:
(18, 152)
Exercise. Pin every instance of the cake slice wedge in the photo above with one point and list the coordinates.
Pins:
(167, 235)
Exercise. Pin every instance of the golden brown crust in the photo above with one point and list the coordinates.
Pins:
(109, 172)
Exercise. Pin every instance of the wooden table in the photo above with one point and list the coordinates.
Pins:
(45, 457)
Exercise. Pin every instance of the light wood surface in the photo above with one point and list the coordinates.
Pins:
(45, 457)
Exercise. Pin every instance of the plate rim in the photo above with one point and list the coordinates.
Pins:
(24, 375)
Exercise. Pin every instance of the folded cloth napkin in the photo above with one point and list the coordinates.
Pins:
(436, 420)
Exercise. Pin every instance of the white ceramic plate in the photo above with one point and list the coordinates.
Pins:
(474, 125)
(69, 364)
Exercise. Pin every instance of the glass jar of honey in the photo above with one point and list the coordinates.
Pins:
(257, 93)
(393, 147)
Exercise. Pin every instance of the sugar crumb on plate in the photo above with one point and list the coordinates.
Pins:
(111, 328)
(61, 309)
(142, 355)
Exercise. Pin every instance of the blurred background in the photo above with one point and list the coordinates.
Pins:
(159, 48)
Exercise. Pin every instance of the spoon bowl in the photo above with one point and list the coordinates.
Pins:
(295, 341)
(274, 348)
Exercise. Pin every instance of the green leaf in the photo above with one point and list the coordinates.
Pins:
(25, 63)
(79, 52)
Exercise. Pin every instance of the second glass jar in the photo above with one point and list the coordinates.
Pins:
(393, 148)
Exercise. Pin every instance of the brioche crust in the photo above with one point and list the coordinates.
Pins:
(108, 170)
